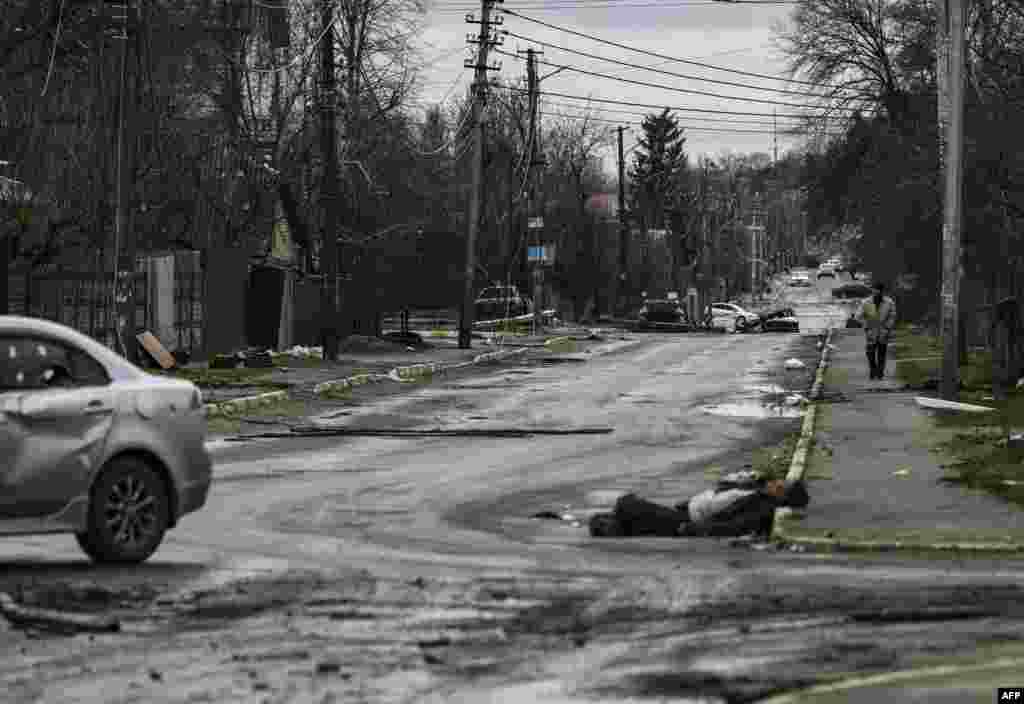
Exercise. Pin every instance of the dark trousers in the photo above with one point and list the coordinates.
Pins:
(876, 359)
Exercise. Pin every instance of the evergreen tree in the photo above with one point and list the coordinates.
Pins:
(657, 176)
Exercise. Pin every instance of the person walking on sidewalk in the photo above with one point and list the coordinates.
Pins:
(878, 314)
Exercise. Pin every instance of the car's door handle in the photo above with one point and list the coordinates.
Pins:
(96, 406)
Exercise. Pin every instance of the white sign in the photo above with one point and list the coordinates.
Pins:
(535, 223)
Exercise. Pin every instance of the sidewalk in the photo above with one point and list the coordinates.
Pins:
(872, 474)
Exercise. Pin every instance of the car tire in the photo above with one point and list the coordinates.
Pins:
(129, 513)
(740, 324)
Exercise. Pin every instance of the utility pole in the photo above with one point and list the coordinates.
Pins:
(531, 208)
(950, 72)
(329, 196)
(122, 304)
(775, 137)
(623, 228)
(484, 41)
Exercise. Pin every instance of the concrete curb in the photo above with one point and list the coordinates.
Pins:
(797, 469)
(349, 382)
(900, 676)
(798, 465)
(413, 372)
(239, 405)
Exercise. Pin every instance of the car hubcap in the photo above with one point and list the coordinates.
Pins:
(131, 512)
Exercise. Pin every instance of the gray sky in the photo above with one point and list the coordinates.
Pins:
(735, 36)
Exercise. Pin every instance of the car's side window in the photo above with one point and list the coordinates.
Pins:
(28, 363)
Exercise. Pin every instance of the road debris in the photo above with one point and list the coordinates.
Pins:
(50, 619)
(321, 431)
(943, 405)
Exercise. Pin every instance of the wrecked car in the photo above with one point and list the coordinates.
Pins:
(739, 504)
(94, 446)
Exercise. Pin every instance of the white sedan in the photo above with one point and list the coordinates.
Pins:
(730, 316)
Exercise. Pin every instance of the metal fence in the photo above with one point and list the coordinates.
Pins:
(82, 300)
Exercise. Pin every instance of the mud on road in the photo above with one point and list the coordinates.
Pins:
(394, 570)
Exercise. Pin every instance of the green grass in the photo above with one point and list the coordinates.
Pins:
(513, 327)
(438, 333)
(231, 425)
(212, 378)
(976, 375)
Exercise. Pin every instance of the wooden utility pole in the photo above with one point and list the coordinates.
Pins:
(329, 196)
(123, 304)
(623, 227)
(484, 41)
(950, 72)
(535, 233)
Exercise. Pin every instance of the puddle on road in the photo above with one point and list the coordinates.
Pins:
(753, 409)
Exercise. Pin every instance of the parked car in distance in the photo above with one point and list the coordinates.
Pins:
(852, 290)
(662, 311)
(799, 278)
(780, 320)
(826, 269)
(730, 316)
(499, 302)
(94, 446)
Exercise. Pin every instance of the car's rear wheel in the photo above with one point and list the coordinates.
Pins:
(129, 512)
(740, 324)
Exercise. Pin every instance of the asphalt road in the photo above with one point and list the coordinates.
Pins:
(392, 570)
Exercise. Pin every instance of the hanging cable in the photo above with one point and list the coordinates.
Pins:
(713, 111)
(656, 55)
(724, 130)
(666, 72)
(53, 50)
(647, 84)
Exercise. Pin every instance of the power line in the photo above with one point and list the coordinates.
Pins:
(53, 50)
(648, 84)
(656, 55)
(628, 64)
(724, 130)
(637, 113)
(652, 106)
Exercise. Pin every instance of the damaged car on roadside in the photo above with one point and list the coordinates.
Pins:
(92, 445)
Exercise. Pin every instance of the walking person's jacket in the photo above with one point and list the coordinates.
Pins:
(879, 320)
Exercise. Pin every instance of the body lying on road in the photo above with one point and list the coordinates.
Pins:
(740, 504)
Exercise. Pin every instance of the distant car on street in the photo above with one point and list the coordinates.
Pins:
(852, 290)
(662, 311)
(798, 279)
(92, 445)
(730, 316)
(826, 269)
(499, 302)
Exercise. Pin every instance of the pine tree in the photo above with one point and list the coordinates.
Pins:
(658, 171)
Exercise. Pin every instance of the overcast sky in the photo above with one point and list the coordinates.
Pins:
(734, 36)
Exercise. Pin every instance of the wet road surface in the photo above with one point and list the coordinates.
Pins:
(379, 569)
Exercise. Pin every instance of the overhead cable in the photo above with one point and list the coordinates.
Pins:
(656, 55)
(653, 69)
(637, 113)
(726, 130)
(662, 106)
(659, 86)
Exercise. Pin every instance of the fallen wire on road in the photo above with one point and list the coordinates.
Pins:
(313, 431)
(49, 619)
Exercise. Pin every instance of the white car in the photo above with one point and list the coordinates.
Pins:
(729, 316)
(826, 269)
(94, 446)
(799, 278)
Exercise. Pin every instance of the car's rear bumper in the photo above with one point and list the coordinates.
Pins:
(193, 497)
